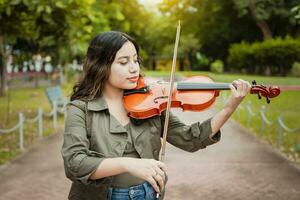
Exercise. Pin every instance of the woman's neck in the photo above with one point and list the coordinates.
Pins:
(112, 93)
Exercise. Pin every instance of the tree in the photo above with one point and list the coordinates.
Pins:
(14, 22)
(213, 23)
(296, 11)
(218, 24)
(264, 12)
(50, 28)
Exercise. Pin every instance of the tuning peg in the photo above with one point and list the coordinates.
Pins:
(254, 82)
(259, 95)
(263, 86)
(268, 100)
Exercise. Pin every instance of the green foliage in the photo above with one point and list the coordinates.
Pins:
(48, 26)
(296, 12)
(217, 67)
(239, 56)
(296, 69)
(211, 23)
(202, 60)
(274, 56)
(218, 24)
(70, 73)
(55, 26)
(63, 28)
(267, 12)
(263, 8)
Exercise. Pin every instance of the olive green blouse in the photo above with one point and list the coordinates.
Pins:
(125, 180)
(83, 154)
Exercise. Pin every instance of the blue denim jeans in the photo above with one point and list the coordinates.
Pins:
(139, 192)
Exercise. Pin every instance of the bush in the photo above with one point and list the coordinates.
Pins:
(217, 66)
(202, 60)
(296, 69)
(239, 57)
(274, 55)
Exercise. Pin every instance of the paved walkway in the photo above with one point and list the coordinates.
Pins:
(38, 175)
(238, 167)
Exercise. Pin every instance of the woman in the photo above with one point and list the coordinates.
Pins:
(106, 154)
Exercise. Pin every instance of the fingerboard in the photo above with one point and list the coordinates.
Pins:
(202, 86)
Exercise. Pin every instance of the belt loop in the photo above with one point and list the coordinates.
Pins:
(109, 193)
(145, 187)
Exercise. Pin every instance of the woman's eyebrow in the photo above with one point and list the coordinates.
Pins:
(126, 56)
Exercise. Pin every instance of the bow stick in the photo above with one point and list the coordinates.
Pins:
(163, 148)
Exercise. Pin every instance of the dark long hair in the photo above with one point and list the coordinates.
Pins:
(96, 68)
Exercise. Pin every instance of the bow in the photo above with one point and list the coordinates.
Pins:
(165, 132)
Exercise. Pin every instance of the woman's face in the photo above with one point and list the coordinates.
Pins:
(125, 68)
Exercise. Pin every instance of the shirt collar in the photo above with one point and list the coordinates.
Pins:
(97, 104)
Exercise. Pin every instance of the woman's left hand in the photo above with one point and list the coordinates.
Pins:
(239, 89)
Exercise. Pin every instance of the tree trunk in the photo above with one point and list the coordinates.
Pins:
(181, 65)
(262, 25)
(3, 80)
(153, 64)
(191, 61)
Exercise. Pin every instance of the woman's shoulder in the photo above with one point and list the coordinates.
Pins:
(77, 103)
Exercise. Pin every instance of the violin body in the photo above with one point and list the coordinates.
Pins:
(145, 105)
(195, 93)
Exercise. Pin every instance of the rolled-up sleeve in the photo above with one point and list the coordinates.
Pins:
(79, 161)
(190, 137)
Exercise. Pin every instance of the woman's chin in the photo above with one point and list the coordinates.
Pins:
(130, 86)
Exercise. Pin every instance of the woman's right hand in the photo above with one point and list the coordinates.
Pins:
(150, 170)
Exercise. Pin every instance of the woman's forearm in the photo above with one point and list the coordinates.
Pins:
(219, 120)
(222, 116)
(109, 167)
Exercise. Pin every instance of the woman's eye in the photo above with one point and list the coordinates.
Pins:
(123, 63)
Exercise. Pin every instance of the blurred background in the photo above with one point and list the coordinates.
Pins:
(43, 44)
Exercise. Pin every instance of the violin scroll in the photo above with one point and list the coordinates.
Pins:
(267, 92)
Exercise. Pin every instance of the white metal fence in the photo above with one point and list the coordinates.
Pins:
(38, 119)
(264, 121)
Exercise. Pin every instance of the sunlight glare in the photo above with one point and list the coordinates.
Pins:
(150, 2)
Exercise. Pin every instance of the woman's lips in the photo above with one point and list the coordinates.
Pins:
(133, 79)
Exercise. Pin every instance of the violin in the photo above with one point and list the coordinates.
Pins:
(195, 93)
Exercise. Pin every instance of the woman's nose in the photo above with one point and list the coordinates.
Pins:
(133, 67)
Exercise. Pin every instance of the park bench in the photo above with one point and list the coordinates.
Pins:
(56, 94)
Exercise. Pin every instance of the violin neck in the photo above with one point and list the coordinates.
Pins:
(202, 86)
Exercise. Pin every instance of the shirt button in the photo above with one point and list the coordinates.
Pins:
(153, 129)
